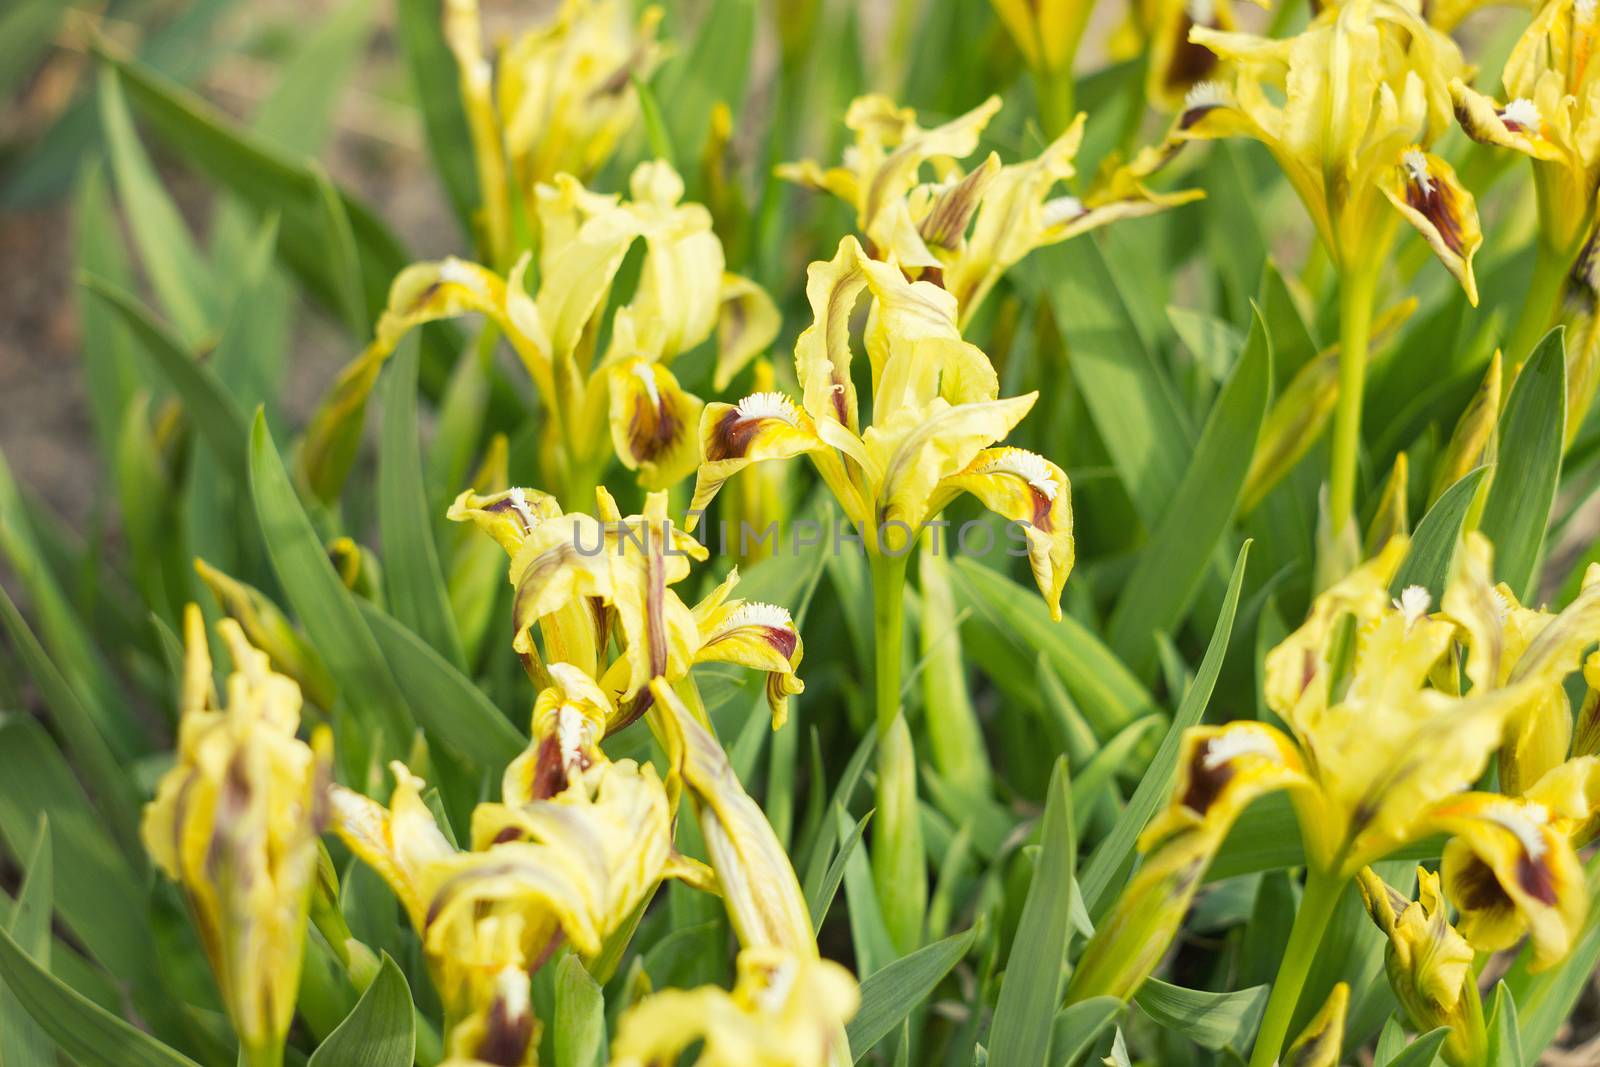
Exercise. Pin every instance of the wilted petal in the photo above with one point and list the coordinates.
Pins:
(1429, 963)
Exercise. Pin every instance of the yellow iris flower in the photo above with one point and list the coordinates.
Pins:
(783, 1011)
(1429, 963)
(789, 1006)
(924, 226)
(583, 579)
(1374, 759)
(1347, 108)
(546, 869)
(683, 296)
(235, 823)
(1552, 115)
(937, 421)
(1508, 644)
(556, 100)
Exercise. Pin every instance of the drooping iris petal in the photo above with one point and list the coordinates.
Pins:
(762, 426)
(783, 1011)
(1510, 870)
(1035, 494)
(653, 422)
(1427, 193)
(756, 635)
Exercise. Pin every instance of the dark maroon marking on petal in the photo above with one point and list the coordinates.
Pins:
(549, 773)
(1191, 62)
(506, 1037)
(1512, 124)
(934, 275)
(423, 297)
(509, 833)
(507, 504)
(1536, 879)
(1308, 670)
(1205, 783)
(1195, 114)
(1041, 509)
(1477, 888)
(731, 436)
(1438, 205)
(780, 638)
(839, 407)
(653, 429)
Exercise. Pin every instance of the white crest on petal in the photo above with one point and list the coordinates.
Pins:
(1502, 606)
(780, 982)
(572, 733)
(769, 405)
(519, 503)
(647, 375)
(1201, 12)
(759, 613)
(1523, 112)
(1029, 466)
(1227, 747)
(1416, 166)
(455, 271)
(1062, 209)
(1414, 602)
(511, 991)
(1207, 93)
(1524, 821)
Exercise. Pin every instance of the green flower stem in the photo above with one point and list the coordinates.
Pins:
(898, 864)
(265, 1055)
(1322, 893)
(1356, 291)
(1539, 307)
(1056, 93)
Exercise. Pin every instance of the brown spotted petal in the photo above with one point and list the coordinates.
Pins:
(1425, 190)
(760, 427)
(1511, 870)
(1037, 497)
(752, 634)
(652, 422)
(1221, 771)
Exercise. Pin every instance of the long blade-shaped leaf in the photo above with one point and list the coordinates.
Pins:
(1532, 431)
(1112, 852)
(889, 995)
(1170, 566)
(380, 1030)
(1030, 993)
